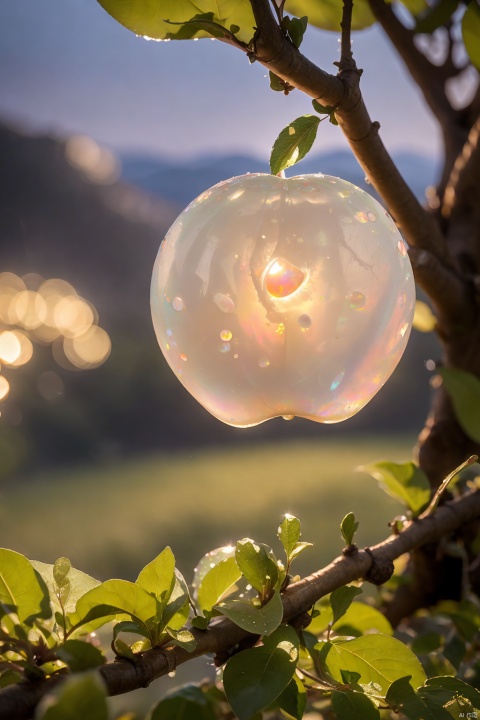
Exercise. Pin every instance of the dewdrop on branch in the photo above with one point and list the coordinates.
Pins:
(282, 297)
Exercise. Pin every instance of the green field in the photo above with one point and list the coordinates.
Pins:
(111, 519)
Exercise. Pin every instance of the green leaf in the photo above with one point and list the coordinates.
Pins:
(256, 564)
(348, 528)
(403, 697)
(217, 582)
(158, 578)
(296, 29)
(117, 597)
(299, 547)
(435, 16)
(80, 655)
(259, 620)
(77, 698)
(448, 688)
(426, 643)
(359, 619)
(415, 7)
(465, 615)
(126, 626)
(327, 14)
(350, 678)
(201, 621)
(123, 650)
(254, 678)
(341, 599)
(322, 109)
(199, 22)
(61, 568)
(293, 143)
(22, 589)
(455, 650)
(209, 561)
(147, 17)
(293, 700)
(10, 677)
(183, 638)
(405, 482)
(275, 82)
(289, 534)
(177, 611)
(464, 390)
(471, 32)
(186, 703)
(352, 706)
(378, 658)
(79, 584)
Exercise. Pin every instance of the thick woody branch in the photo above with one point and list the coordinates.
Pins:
(441, 284)
(464, 179)
(18, 702)
(430, 78)
(279, 55)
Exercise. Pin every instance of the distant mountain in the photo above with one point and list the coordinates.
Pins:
(182, 182)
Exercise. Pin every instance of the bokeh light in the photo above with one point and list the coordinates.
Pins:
(98, 164)
(50, 312)
(27, 309)
(10, 347)
(89, 349)
(73, 316)
(4, 387)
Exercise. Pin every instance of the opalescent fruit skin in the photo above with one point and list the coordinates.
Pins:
(280, 297)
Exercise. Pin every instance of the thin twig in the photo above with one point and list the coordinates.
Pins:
(346, 56)
(443, 487)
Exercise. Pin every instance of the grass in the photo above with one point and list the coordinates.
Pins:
(111, 520)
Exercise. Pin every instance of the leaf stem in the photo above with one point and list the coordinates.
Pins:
(436, 498)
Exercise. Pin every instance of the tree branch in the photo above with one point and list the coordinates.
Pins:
(18, 702)
(464, 179)
(430, 78)
(342, 92)
(346, 56)
(449, 294)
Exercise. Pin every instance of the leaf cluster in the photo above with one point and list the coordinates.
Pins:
(347, 656)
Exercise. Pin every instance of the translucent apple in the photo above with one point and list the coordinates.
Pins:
(282, 297)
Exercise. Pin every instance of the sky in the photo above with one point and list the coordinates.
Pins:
(67, 67)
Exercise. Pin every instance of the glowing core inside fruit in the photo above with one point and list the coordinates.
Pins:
(283, 278)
